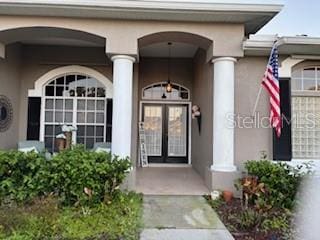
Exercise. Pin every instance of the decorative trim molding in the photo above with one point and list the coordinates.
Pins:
(285, 69)
(253, 13)
(204, 5)
(116, 57)
(75, 69)
(229, 59)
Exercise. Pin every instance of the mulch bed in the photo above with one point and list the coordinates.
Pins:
(234, 208)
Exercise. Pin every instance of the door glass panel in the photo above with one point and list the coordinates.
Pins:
(153, 130)
(177, 131)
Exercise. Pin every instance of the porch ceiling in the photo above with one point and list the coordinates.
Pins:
(178, 50)
(252, 13)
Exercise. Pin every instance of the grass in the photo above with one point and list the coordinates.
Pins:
(44, 219)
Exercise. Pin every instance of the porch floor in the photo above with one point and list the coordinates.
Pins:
(170, 181)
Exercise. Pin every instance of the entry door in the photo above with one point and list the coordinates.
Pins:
(166, 129)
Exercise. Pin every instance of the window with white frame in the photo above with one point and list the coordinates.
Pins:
(305, 87)
(77, 100)
(157, 91)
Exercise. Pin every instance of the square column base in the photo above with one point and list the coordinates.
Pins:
(129, 184)
(225, 181)
(221, 168)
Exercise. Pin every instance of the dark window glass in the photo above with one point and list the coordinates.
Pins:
(49, 91)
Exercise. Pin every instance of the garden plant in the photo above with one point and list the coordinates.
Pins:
(75, 195)
(269, 198)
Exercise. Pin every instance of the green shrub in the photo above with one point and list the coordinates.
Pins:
(77, 176)
(22, 175)
(281, 180)
(74, 171)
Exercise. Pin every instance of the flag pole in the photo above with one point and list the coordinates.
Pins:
(260, 90)
(257, 101)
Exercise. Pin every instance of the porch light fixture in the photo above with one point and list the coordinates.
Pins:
(169, 85)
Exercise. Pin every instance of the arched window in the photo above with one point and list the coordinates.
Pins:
(305, 106)
(306, 79)
(157, 91)
(77, 100)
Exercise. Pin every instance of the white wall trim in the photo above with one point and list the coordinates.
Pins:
(296, 162)
(231, 59)
(72, 69)
(285, 70)
(115, 57)
(207, 5)
(190, 120)
(164, 83)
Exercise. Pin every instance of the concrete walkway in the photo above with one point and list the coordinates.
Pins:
(170, 181)
(181, 218)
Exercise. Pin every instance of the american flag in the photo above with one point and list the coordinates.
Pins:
(271, 84)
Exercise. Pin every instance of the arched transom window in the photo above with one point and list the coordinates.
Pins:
(157, 91)
(306, 79)
(76, 100)
(305, 104)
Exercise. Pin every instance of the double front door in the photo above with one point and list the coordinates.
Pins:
(166, 130)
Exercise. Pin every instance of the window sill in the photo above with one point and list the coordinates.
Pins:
(296, 162)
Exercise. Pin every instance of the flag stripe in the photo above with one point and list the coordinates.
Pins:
(271, 83)
(272, 92)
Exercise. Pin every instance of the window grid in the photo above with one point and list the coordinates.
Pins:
(153, 130)
(177, 131)
(307, 79)
(306, 127)
(158, 92)
(62, 97)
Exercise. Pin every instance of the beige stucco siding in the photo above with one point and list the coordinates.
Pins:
(122, 36)
(153, 70)
(203, 97)
(9, 86)
(250, 141)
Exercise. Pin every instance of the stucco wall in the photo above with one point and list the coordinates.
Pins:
(249, 142)
(9, 86)
(153, 70)
(122, 36)
(203, 97)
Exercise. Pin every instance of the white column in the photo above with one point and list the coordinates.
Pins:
(122, 105)
(2, 50)
(223, 103)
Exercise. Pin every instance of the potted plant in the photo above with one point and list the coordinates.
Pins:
(227, 195)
